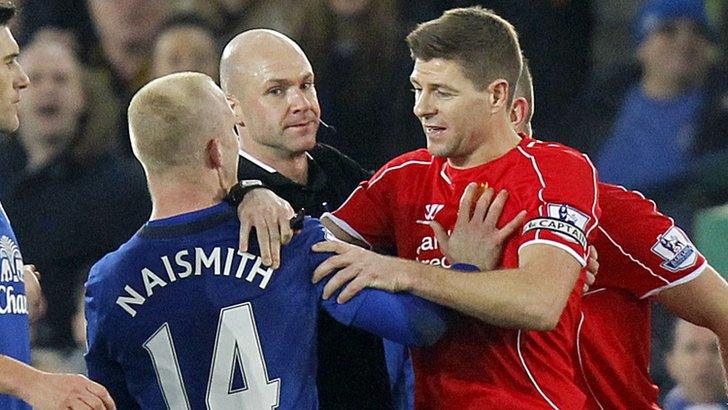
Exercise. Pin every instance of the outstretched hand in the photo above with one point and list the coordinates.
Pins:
(358, 269)
(476, 239)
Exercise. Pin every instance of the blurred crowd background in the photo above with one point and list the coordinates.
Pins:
(641, 88)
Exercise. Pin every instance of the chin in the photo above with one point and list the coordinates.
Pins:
(438, 150)
(9, 124)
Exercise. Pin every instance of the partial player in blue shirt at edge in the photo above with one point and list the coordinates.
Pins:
(14, 338)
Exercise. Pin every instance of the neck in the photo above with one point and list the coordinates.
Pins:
(660, 87)
(39, 156)
(500, 141)
(291, 166)
(172, 196)
(702, 394)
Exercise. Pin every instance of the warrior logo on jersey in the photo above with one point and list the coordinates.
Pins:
(431, 210)
(675, 249)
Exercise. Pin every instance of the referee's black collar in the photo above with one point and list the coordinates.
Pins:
(251, 167)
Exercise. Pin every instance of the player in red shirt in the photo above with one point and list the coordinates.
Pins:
(523, 356)
(643, 257)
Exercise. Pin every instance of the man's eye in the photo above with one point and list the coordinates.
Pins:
(275, 91)
(307, 86)
(443, 94)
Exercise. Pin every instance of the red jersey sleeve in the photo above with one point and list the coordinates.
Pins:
(562, 202)
(369, 212)
(659, 254)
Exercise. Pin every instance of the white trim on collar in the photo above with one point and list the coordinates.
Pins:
(260, 163)
(257, 162)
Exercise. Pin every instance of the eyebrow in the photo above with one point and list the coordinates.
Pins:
(282, 81)
(435, 86)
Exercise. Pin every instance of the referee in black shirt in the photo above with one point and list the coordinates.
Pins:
(271, 84)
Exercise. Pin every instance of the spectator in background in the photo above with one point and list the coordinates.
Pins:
(647, 124)
(694, 363)
(126, 30)
(73, 200)
(185, 43)
(359, 55)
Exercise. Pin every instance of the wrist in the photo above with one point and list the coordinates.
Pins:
(237, 192)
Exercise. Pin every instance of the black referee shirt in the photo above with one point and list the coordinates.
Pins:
(352, 373)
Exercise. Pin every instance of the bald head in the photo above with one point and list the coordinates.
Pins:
(270, 76)
(172, 119)
(253, 53)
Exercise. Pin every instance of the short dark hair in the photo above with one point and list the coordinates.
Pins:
(525, 86)
(483, 43)
(7, 12)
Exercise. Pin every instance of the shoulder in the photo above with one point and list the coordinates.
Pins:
(407, 162)
(110, 269)
(556, 157)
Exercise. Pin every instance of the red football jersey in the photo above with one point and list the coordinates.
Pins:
(641, 252)
(476, 365)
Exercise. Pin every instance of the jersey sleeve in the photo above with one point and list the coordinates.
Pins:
(102, 368)
(658, 255)
(562, 202)
(366, 215)
(400, 317)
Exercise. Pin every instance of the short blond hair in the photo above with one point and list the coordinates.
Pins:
(171, 118)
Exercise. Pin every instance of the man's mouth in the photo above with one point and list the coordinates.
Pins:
(434, 130)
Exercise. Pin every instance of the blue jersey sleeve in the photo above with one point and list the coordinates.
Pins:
(102, 368)
(401, 317)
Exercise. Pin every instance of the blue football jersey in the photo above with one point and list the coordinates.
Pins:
(179, 318)
(14, 331)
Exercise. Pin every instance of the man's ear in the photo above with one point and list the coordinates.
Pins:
(213, 153)
(499, 92)
(237, 110)
(519, 114)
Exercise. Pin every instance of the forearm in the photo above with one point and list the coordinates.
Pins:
(505, 298)
(16, 377)
(400, 317)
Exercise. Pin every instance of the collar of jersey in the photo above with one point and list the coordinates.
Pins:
(187, 223)
(452, 174)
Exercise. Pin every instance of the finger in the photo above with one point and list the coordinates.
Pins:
(585, 288)
(592, 267)
(590, 278)
(329, 265)
(275, 244)
(244, 234)
(482, 205)
(496, 209)
(261, 231)
(593, 252)
(352, 289)
(78, 404)
(465, 204)
(92, 400)
(339, 279)
(513, 225)
(440, 236)
(286, 231)
(332, 246)
(103, 394)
